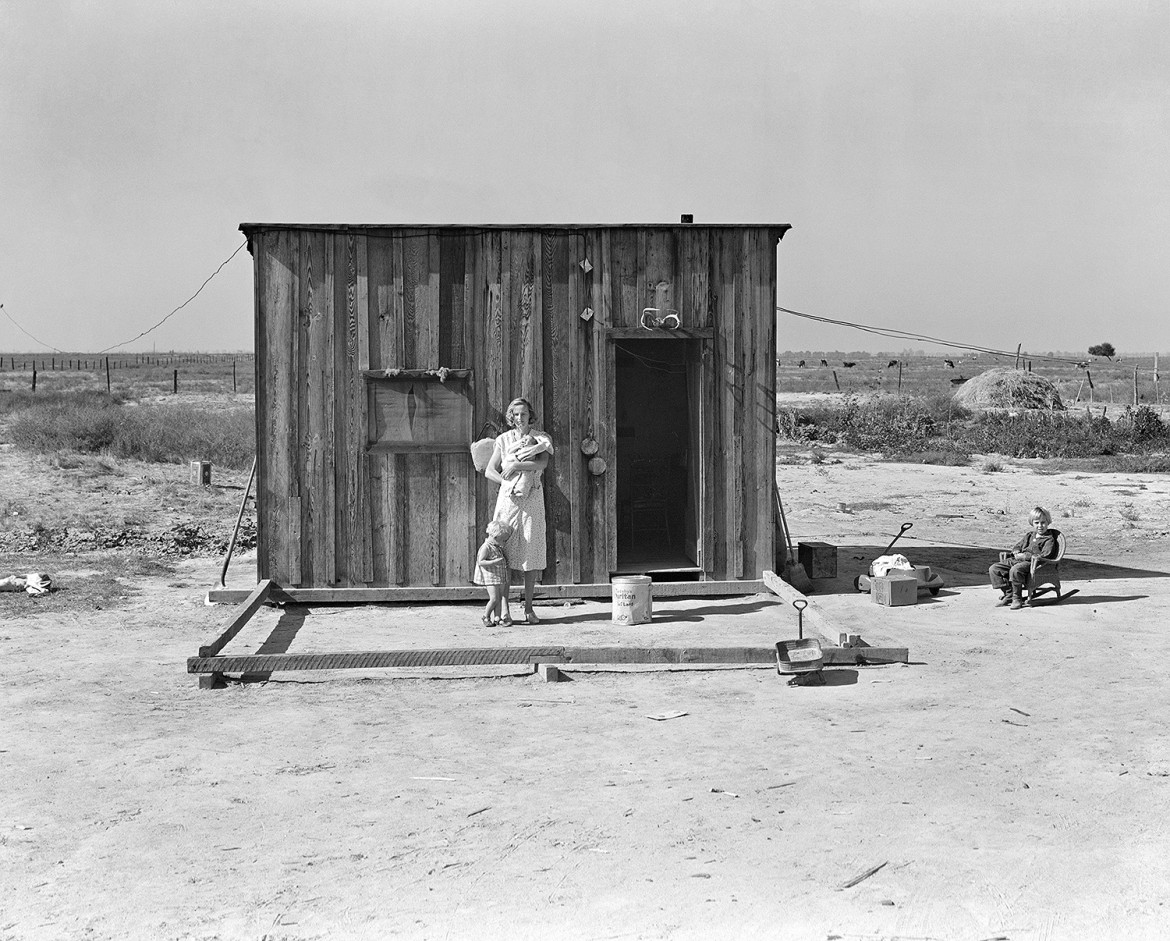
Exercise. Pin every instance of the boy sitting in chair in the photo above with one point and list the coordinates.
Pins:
(1010, 574)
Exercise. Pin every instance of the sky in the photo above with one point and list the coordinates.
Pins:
(992, 172)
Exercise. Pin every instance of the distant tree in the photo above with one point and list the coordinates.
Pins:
(1103, 349)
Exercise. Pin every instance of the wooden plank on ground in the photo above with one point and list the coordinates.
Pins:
(250, 605)
(675, 655)
(815, 623)
(864, 656)
(374, 659)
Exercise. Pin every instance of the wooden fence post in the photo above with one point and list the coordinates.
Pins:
(34, 384)
(899, 375)
(175, 391)
(107, 375)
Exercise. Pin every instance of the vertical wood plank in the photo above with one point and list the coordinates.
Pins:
(589, 534)
(764, 249)
(296, 396)
(453, 319)
(421, 540)
(263, 496)
(456, 471)
(522, 314)
(556, 405)
(729, 488)
(313, 506)
(279, 326)
(748, 340)
(413, 261)
(661, 269)
(329, 520)
(623, 262)
(734, 394)
(571, 467)
(388, 499)
(695, 250)
(603, 492)
(352, 346)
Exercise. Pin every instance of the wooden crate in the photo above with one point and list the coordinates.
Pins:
(818, 558)
(893, 590)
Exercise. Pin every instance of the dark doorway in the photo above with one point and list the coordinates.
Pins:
(654, 492)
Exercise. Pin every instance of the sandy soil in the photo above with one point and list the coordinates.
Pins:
(1012, 782)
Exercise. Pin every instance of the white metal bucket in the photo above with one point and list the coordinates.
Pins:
(632, 599)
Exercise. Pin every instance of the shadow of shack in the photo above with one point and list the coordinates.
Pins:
(383, 351)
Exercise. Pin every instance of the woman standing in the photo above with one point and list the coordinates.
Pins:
(517, 466)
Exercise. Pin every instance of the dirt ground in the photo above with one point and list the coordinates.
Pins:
(1012, 781)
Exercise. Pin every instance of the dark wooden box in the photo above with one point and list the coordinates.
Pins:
(818, 558)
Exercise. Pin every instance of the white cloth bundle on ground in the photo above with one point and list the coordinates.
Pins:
(34, 583)
(884, 564)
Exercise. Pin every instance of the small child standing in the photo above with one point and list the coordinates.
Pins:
(491, 571)
(1010, 574)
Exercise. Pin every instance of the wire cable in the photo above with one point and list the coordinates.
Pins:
(181, 306)
(27, 334)
(953, 344)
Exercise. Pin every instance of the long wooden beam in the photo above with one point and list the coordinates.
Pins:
(249, 607)
(375, 659)
(491, 656)
(455, 593)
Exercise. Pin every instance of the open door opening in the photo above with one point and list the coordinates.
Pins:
(657, 508)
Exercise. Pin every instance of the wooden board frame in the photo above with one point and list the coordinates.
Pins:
(211, 667)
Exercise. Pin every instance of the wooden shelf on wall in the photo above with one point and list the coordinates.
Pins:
(660, 333)
(415, 374)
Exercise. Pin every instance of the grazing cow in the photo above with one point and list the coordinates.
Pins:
(824, 362)
(847, 364)
(950, 363)
(800, 365)
(1082, 365)
(891, 363)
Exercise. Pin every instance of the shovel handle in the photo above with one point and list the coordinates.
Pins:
(800, 604)
(905, 526)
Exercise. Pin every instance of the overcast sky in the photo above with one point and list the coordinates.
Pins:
(990, 172)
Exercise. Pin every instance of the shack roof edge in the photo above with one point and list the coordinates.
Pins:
(249, 227)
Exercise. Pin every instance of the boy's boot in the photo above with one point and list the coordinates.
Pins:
(1005, 597)
(1017, 598)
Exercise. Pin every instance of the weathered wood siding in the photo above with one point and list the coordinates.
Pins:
(506, 304)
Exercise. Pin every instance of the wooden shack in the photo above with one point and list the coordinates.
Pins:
(383, 351)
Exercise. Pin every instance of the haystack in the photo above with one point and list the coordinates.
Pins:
(1008, 388)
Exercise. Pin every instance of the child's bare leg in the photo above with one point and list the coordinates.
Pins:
(493, 601)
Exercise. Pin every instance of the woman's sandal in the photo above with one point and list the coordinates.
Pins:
(505, 621)
(488, 622)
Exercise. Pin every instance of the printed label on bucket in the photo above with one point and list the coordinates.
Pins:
(631, 599)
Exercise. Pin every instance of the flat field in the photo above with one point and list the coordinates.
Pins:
(1012, 781)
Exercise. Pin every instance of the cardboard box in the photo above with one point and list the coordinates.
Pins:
(892, 590)
(818, 558)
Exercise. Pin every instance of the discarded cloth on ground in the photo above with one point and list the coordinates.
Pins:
(34, 583)
(884, 564)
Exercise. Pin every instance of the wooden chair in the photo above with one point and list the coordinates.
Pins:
(1044, 575)
(649, 499)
